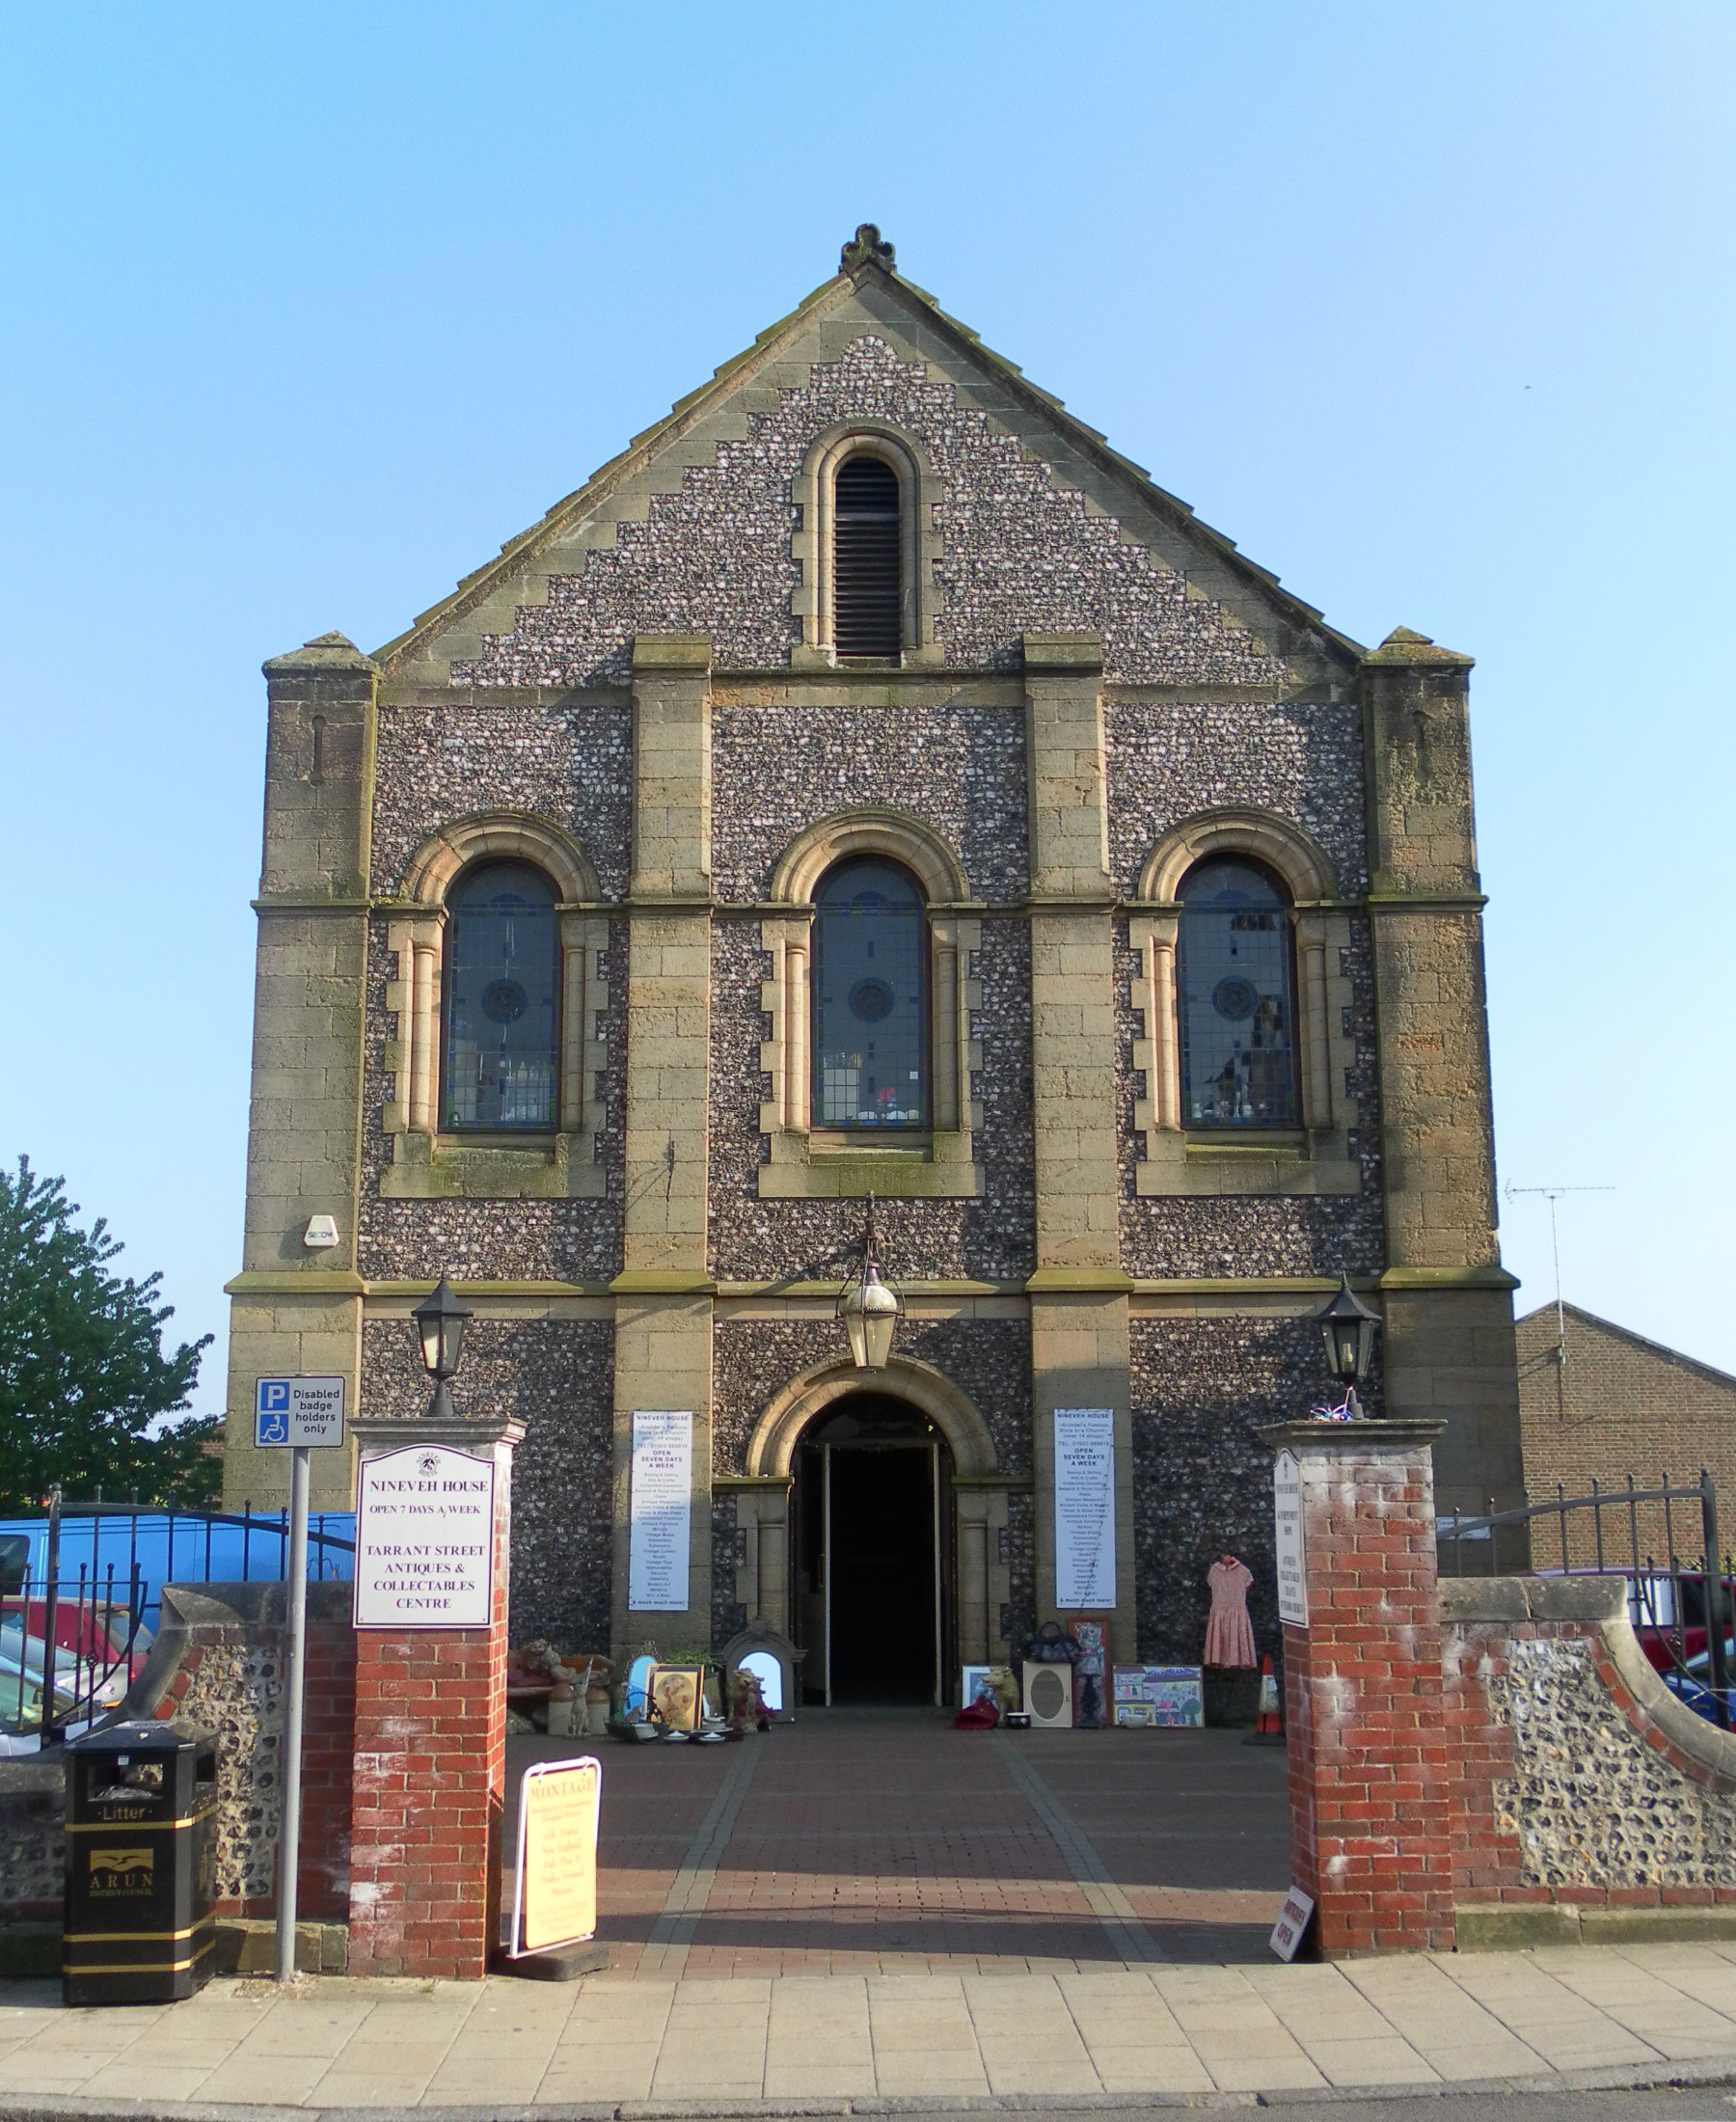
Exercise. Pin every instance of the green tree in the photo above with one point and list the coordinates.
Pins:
(83, 1375)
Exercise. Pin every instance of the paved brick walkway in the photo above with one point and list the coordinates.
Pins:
(865, 1844)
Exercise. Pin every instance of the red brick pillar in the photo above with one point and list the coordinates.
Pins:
(1369, 1784)
(430, 1761)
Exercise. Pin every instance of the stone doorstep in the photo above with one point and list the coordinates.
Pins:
(1516, 1927)
(31, 1952)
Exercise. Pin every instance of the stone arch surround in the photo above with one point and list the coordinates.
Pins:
(980, 1500)
(772, 1447)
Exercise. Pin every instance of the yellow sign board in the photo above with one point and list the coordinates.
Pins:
(556, 1897)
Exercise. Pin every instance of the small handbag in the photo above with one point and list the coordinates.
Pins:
(1051, 1645)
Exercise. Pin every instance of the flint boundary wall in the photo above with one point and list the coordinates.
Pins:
(219, 1661)
(1478, 1762)
(1591, 1803)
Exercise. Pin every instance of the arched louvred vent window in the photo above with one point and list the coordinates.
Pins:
(867, 600)
(503, 971)
(1237, 999)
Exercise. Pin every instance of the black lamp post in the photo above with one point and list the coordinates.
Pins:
(1348, 1328)
(869, 1309)
(440, 1320)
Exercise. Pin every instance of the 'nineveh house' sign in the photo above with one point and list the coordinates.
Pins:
(424, 1540)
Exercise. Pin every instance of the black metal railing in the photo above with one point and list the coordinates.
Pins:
(72, 1633)
(1683, 1607)
(192, 1539)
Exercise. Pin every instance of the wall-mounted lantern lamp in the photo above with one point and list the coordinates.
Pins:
(440, 1320)
(1348, 1328)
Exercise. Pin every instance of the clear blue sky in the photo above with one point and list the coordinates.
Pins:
(309, 308)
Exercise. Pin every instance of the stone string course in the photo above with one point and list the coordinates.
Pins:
(1020, 554)
(1203, 1480)
(557, 1376)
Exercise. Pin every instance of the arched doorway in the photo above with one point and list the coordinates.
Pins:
(786, 1527)
(872, 1566)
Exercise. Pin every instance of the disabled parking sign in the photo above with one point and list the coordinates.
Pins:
(290, 1412)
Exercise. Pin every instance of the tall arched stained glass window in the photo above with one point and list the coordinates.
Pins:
(870, 998)
(502, 954)
(1237, 999)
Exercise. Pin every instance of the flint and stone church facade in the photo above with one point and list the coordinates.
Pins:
(871, 783)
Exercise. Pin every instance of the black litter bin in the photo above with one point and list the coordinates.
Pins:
(141, 1865)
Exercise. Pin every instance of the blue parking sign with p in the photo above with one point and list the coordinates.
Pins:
(291, 1411)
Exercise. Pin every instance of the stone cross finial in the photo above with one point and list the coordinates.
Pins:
(865, 248)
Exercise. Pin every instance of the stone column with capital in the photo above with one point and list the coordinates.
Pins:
(430, 1757)
(1363, 1698)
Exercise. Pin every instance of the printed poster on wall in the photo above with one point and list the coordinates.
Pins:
(660, 1505)
(1084, 1507)
(1286, 1503)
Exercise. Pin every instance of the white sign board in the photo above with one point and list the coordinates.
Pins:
(1084, 1507)
(293, 1411)
(1292, 1921)
(661, 1503)
(424, 1540)
(1286, 1501)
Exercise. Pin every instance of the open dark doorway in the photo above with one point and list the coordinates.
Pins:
(872, 1555)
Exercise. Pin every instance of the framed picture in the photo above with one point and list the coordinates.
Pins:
(974, 1682)
(1150, 1696)
(675, 1694)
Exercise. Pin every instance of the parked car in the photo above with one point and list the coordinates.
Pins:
(100, 1670)
(1654, 1611)
(21, 1692)
(93, 1632)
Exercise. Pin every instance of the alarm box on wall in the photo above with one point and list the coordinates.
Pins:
(1048, 1696)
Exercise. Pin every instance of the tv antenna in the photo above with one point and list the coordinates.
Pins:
(1552, 1194)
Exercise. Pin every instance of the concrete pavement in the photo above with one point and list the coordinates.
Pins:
(1107, 2036)
(860, 1911)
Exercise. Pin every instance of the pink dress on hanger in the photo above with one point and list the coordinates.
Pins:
(1229, 1632)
